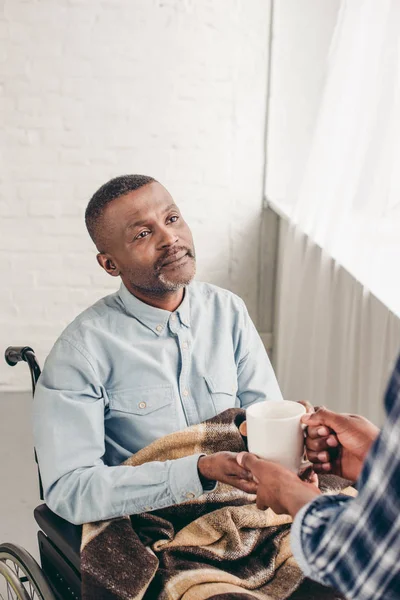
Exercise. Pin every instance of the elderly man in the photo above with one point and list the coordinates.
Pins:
(160, 354)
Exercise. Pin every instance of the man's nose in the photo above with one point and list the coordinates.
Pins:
(168, 237)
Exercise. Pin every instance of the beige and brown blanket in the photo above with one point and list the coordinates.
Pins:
(217, 546)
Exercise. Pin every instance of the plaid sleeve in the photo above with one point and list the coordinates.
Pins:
(353, 544)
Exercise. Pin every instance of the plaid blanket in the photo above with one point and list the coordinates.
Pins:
(216, 546)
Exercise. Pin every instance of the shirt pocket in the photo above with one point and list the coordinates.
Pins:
(141, 401)
(222, 389)
(146, 412)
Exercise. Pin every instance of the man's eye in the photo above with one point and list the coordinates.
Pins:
(142, 235)
(174, 218)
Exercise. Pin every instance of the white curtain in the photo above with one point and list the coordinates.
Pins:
(338, 328)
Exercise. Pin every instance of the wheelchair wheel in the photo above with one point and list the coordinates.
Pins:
(21, 578)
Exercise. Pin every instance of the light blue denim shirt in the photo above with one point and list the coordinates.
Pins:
(123, 374)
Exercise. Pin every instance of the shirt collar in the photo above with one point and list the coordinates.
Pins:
(183, 309)
(154, 318)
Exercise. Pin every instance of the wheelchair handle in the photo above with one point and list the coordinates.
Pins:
(16, 354)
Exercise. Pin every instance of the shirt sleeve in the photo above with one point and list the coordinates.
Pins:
(68, 423)
(352, 544)
(256, 377)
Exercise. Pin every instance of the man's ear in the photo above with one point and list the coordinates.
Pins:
(107, 263)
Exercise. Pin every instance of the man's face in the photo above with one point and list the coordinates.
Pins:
(148, 242)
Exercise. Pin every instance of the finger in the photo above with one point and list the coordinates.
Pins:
(318, 457)
(243, 428)
(318, 431)
(332, 441)
(327, 418)
(318, 444)
(236, 470)
(307, 405)
(250, 487)
(323, 467)
(330, 444)
(248, 461)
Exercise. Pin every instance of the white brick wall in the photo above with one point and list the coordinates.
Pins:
(94, 89)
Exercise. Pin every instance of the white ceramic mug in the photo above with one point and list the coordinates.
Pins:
(275, 432)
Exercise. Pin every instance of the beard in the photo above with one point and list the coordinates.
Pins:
(160, 283)
(169, 284)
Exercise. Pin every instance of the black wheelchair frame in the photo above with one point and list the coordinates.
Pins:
(59, 541)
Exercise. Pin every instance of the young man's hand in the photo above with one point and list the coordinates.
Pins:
(278, 488)
(223, 466)
(338, 443)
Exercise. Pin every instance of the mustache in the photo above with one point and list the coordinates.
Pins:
(168, 255)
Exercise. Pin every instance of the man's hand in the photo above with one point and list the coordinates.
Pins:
(223, 466)
(278, 488)
(338, 443)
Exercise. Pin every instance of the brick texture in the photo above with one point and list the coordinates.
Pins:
(94, 89)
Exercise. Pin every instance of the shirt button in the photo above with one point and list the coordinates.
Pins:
(184, 345)
(186, 392)
(190, 495)
(142, 404)
(173, 317)
(147, 509)
(159, 327)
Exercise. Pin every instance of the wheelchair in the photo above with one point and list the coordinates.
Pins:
(59, 578)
